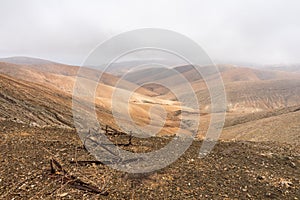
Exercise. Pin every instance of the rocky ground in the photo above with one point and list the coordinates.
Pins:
(234, 170)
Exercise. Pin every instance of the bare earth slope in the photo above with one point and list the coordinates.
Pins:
(280, 125)
(34, 104)
(58, 79)
(36, 125)
(248, 90)
(234, 170)
(58, 75)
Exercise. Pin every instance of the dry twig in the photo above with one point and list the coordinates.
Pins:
(74, 182)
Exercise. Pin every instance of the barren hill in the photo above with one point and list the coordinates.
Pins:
(36, 128)
(281, 125)
(247, 90)
(34, 104)
(60, 79)
(59, 75)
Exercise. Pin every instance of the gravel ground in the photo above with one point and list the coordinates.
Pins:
(233, 170)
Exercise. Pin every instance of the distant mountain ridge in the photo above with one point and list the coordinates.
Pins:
(40, 92)
(61, 79)
(22, 60)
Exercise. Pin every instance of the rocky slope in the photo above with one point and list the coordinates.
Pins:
(233, 170)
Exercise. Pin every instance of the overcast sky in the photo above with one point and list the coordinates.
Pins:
(232, 31)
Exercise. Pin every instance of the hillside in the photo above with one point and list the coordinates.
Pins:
(45, 101)
(34, 104)
(58, 75)
(280, 125)
(233, 170)
(247, 90)
(257, 156)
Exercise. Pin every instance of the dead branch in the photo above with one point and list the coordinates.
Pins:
(97, 162)
(71, 180)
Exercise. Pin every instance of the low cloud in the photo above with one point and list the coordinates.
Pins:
(250, 31)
